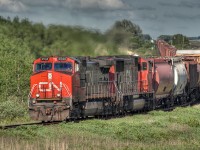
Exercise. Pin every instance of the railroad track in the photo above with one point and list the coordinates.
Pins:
(4, 127)
(28, 124)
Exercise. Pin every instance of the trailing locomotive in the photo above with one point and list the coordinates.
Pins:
(73, 87)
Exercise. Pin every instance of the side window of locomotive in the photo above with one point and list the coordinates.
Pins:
(76, 67)
(43, 66)
(150, 65)
(144, 66)
(139, 67)
(63, 67)
(119, 66)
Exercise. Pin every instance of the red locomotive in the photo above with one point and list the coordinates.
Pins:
(73, 87)
(51, 88)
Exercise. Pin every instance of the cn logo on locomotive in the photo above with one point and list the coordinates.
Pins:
(50, 85)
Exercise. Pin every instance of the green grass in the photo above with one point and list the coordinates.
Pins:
(179, 129)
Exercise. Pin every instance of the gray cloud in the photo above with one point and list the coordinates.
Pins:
(179, 16)
(12, 5)
(155, 17)
(181, 4)
(144, 8)
(102, 4)
(190, 4)
(78, 4)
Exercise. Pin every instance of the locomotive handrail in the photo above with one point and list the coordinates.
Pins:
(117, 88)
(30, 93)
(102, 88)
(105, 81)
(132, 87)
(119, 92)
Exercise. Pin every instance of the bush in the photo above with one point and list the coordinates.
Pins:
(12, 108)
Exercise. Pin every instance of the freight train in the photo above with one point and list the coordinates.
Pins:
(77, 87)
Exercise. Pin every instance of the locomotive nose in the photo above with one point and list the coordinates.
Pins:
(50, 97)
(47, 87)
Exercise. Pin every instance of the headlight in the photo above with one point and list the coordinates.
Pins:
(49, 76)
(34, 101)
(58, 95)
(37, 95)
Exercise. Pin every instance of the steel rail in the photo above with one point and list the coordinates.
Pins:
(28, 124)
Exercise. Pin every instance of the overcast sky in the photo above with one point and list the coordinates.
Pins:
(155, 17)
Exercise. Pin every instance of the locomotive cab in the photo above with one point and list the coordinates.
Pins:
(145, 75)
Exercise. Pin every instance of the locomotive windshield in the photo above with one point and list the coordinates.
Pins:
(63, 67)
(43, 67)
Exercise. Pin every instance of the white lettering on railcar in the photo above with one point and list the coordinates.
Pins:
(50, 85)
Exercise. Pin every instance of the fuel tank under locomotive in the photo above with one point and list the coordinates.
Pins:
(93, 108)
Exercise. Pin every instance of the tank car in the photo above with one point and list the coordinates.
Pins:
(169, 81)
(162, 78)
(180, 80)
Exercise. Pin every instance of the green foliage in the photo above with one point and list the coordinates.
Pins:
(67, 40)
(180, 41)
(15, 68)
(64, 40)
(56, 39)
(125, 34)
(12, 108)
(166, 38)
